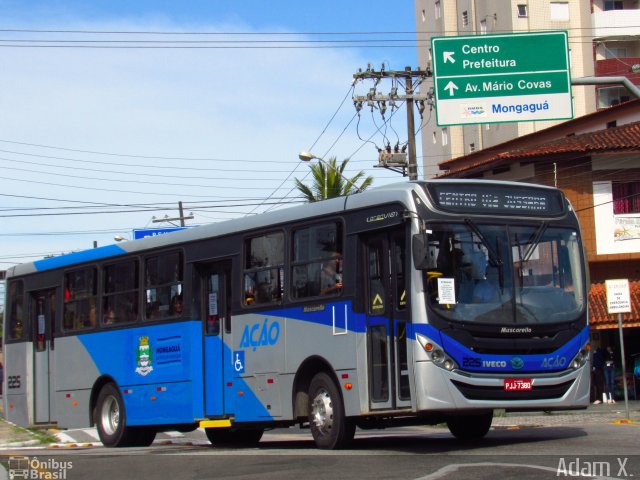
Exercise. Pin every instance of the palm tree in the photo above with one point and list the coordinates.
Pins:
(329, 181)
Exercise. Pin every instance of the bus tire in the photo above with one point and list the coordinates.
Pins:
(234, 437)
(110, 419)
(470, 427)
(330, 428)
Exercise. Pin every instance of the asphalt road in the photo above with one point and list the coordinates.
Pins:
(611, 451)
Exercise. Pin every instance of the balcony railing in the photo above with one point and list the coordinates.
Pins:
(618, 67)
(616, 23)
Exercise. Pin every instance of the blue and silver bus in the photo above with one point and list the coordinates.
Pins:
(409, 304)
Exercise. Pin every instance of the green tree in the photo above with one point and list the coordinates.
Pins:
(329, 181)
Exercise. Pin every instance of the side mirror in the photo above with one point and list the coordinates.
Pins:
(420, 251)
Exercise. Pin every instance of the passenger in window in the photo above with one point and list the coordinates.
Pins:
(109, 317)
(331, 277)
(264, 292)
(176, 305)
(153, 310)
(92, 318)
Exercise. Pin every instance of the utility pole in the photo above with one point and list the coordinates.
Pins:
(411, 138)
(396, 160)
(182, 218)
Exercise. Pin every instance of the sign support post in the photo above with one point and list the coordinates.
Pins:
(624, 368)
(619, 301)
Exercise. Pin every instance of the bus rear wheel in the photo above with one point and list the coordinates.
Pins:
(470, 427)
(330, 428)
(234, 437)
(111, 420)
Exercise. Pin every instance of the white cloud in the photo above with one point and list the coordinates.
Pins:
(221, 103)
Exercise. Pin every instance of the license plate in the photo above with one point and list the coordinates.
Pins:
(517, 384)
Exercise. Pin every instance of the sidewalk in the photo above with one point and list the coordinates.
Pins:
(602, 413)
(12, 436)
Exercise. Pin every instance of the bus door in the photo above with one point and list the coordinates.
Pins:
(43, 319)
(216, 291)
(387, 317)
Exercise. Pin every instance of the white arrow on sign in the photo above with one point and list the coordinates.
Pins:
(451, 87)
(449, 56)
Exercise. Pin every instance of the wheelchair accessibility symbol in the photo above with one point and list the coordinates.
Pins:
(238, 361)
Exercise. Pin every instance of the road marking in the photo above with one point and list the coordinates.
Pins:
(447, 470)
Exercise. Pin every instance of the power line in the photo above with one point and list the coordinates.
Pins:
(253, 34)
(127, 155)
(209, 33)
(120, 172)
(201, 47)
(198, 42)
(143, 165)
(137, 192)
(312, 145)
(86, 204)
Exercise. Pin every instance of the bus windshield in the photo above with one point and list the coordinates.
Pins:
(500, 274)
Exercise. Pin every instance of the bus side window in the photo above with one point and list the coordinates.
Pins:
(80, 299)
(316, 267)
(163, 282)
(120, 292)
(16, 328)
(264, 269)
(213, 303)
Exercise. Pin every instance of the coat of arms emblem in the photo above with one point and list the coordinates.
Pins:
(143, 356)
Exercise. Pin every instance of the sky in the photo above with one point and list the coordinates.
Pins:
(112, 112)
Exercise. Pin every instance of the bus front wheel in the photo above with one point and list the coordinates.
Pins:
(469, 427)
(111, 420)
(330, 428)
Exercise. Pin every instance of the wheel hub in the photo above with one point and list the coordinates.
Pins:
(322, 411)
(110, 417)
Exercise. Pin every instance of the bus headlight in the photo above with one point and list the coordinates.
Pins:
(436, 353)
(581, 357)
(437, 356)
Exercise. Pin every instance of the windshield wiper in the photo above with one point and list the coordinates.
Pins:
(493, 256)
(532, 243)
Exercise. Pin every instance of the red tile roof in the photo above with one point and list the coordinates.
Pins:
(617, 139)
(625, 138)
(598, 316)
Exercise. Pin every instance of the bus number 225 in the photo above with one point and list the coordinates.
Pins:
(13, 381)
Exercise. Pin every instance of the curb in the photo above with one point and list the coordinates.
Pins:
(625, 421)
(28, 443)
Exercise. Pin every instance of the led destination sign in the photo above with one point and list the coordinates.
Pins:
(495, 200)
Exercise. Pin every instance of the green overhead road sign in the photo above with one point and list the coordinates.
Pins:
(518, 77)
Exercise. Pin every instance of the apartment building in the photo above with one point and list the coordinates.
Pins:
(604, 40)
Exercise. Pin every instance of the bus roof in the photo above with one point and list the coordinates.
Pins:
(395, 192)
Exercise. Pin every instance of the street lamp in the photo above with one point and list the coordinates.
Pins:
(120, 238)
(308, 156)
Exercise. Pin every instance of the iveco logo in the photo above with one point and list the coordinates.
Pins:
(494, 363)
(517, 363)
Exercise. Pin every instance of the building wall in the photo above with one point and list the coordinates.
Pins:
(583, 185)
(498, 16)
